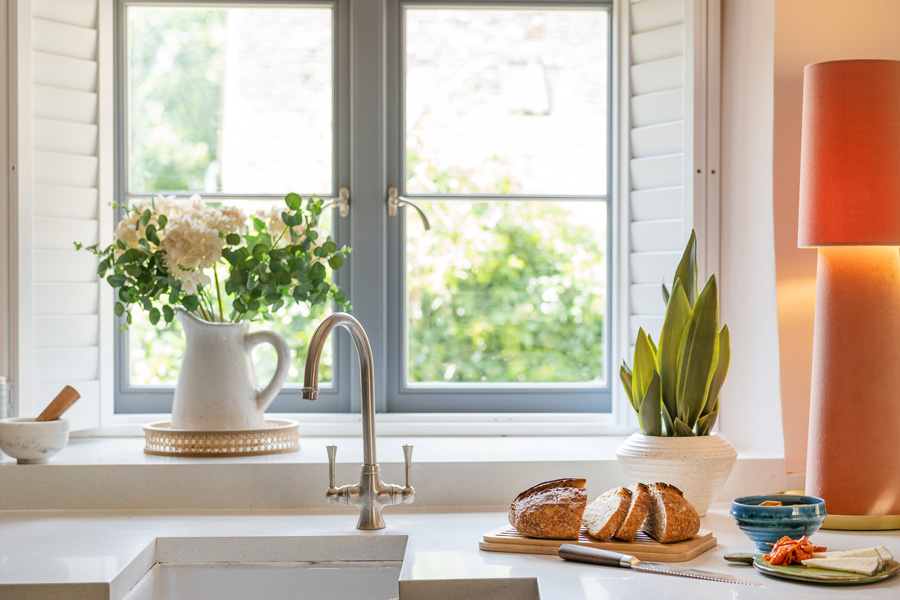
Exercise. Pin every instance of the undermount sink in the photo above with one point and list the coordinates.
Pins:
(347, 567)
(273, 581)
(275, 568)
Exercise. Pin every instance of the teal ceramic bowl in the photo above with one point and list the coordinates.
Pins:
(798, 516)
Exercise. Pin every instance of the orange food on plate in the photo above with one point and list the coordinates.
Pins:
(791, 552)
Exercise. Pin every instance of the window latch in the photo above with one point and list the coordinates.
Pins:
(395, 201)
(342, 202)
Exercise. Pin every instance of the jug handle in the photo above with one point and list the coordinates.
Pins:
(265, 396)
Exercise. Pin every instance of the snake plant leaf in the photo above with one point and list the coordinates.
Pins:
(697, 355)
(687, 270)
(649, 415)
(706, 422)
(677, 315)
(625, 376)
(665, 293)
(682, 430)
(644, 365)
(653, 346)
(667, 419)
(718, 379)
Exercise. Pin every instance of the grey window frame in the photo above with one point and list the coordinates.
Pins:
(476, 398)
(371, 68)
(334, 397)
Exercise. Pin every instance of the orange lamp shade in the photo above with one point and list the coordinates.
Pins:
(850, 154)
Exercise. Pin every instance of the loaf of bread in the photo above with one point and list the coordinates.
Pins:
(604, 516)
(552, 509)
(671, 517)
(637, 512)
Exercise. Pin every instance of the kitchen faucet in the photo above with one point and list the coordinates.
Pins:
(370, 494)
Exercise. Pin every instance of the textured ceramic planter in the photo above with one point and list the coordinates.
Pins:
(698, 466)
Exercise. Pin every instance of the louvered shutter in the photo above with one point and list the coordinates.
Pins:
(667, 137)
(64, 118)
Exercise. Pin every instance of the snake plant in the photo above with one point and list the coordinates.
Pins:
(676, 384)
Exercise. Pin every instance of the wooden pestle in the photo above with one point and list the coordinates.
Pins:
(65, 399)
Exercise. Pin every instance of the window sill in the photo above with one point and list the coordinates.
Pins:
(115, 474)
(418, 425)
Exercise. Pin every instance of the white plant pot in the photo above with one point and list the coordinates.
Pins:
(698, 466)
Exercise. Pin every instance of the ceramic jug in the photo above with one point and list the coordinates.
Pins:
(217, 388)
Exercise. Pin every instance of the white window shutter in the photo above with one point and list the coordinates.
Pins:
(64, 184)
(672, 114)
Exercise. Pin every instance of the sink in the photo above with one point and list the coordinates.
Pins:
(273, 581)
(299, 568)
(345, 567)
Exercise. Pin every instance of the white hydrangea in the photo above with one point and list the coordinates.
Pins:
(275, 226)
(190, 279)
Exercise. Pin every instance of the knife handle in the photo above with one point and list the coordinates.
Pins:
(595, 556)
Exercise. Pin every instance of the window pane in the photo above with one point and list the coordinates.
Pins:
(235, 100)
(506, 101)
(507, 292)
(155, 352)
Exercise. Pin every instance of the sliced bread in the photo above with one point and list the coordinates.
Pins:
(551, 510)
(607, 512)
(671, 517)
(637, 512)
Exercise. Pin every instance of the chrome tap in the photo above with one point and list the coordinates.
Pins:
(370, 494)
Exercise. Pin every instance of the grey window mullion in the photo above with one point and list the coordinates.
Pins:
(368, 264)
(396, 230)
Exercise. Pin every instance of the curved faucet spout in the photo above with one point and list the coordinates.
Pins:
(364, 350)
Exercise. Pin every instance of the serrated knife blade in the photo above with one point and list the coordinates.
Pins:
(597, 556)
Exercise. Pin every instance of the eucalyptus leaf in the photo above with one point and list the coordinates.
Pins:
(293, 201)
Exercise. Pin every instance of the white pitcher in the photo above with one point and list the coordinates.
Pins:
(217, 388)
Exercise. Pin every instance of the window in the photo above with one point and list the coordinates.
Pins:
(493, 117)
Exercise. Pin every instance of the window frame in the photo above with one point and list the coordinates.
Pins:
(403, 397)
(334, 397)
(375, 272)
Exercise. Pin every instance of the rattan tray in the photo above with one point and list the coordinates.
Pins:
(278, 436)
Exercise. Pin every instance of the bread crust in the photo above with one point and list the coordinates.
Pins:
(550, 510)
(671, 517)
(637, 512)
(607, 512)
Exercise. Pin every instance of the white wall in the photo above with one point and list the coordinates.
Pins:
(5, 231)
(751, 402)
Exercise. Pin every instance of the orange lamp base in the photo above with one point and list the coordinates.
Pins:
(853, 459)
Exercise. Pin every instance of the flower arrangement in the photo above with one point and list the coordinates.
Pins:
(678, 383)
(217, 262)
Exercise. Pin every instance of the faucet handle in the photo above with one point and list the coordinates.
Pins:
(407, 457)
(409, 493)
(332, 454)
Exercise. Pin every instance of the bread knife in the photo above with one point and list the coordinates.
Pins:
(597, 556)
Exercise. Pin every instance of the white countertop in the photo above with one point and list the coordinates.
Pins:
(104, 553)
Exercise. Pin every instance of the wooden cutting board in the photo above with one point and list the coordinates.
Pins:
(507, 539)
